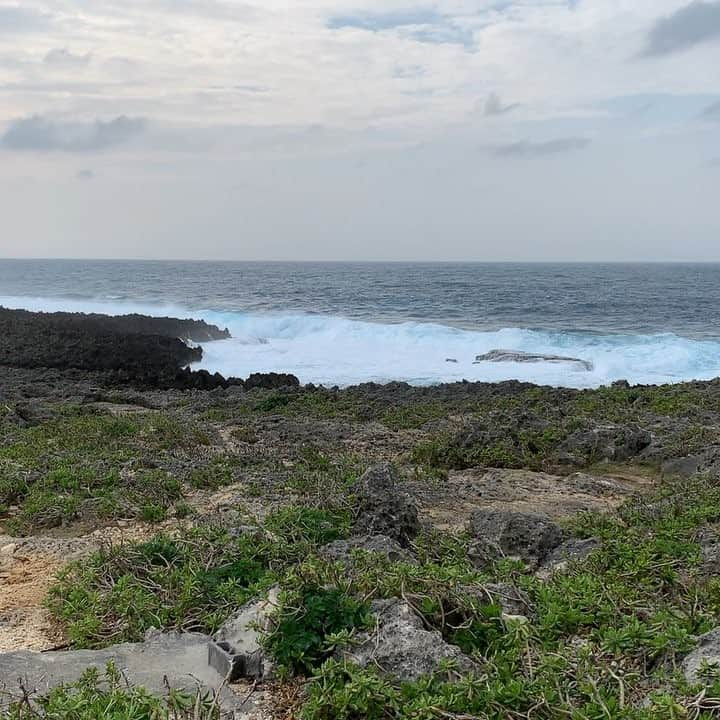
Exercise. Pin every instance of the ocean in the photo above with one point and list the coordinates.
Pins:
(346, 323)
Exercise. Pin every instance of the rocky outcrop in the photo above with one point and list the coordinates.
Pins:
(517, 356)
(401, 647)
(616, 443)
(528, 536)
(271, 381)
(342, 551)
(381, 509)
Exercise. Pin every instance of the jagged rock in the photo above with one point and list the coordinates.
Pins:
(271, 381)
(343, 550)
(382, 509)
(163, 660)
(572, 550)
(607, 442)
(523, 357)
(401, 647)
(530, 536)
(238, 652)
(705, 655)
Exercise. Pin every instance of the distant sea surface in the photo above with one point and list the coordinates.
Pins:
(345, 323)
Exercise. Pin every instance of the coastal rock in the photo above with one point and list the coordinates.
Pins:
(607, 442)
(511, 600)
(571, 551)
(343, 550)
(271, 381)
(381, 509)
(529, 536)
(522, 357)
(238, 652)
(705, 656)
(401, 647)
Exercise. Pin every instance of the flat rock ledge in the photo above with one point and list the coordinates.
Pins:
(175, 660)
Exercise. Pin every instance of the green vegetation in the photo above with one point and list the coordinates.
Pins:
(97, 467)
(108, 697)
(192, 582)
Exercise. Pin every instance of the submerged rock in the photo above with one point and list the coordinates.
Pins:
(382, 509)
(523, 357)
(401, 647)
(529, 536)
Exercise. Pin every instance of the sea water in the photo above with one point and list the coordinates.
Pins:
(346, 323)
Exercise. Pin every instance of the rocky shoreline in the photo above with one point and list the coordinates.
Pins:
(466, 550)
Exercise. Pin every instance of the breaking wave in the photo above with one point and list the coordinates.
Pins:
(339, 351)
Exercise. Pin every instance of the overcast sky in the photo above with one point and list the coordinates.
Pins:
(360, 129)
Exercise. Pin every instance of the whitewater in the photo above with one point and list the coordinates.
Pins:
(336, 350)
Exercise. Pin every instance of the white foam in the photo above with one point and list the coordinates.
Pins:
(339, 351)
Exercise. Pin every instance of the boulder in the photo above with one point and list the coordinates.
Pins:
(705, 656)
(529, 536)
(401, 647)
(381, 509)
(343, 550)
(271, 381)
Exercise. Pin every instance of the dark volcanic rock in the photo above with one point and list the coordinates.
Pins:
(529, 536)
(382, 509)
(151, 352)
(271, 381)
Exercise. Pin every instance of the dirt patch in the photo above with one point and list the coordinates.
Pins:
(449, 504)
(24, 583)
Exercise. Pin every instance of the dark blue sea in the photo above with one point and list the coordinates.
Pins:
(343, 323)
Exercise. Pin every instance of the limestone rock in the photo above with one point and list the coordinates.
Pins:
(706, 654)
(382, 509)
(343, 550)
(401, 647)
(529, 536)
(239, 652)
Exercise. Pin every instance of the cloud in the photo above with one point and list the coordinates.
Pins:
(493, 106)
(421, 24)
(62, 57)
(85, 175)
(14, 18)
(525, 148)
(691, 25)
(712, 112)
(45, 135)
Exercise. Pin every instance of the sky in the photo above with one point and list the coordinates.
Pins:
(360, 129)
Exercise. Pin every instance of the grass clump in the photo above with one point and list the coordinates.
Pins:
(107, 696)
(192, 583)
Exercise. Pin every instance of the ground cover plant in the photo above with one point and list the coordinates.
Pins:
(106, 696)
(82, 465)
